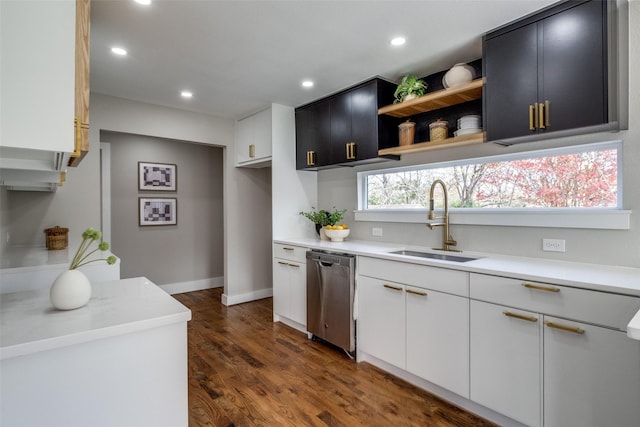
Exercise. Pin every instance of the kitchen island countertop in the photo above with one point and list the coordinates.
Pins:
(30, 324)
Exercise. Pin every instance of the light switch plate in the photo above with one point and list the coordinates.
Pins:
(376, 231)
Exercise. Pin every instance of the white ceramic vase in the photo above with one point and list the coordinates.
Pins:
(457, 75)
(70, 290)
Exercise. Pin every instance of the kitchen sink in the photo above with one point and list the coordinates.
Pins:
(443, 257)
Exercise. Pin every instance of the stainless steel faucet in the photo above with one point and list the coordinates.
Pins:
(447, 240)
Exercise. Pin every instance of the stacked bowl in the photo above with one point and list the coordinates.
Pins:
(468, 125)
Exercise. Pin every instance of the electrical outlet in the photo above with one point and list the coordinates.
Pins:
(376, 231)
(553, 245)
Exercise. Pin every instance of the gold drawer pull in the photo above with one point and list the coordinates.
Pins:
(294, 265)
(541, 288)
(395, 288)
(532, 120)
(287, 249)
(283, 263)
(564, 327)
(520, 316)
(422, 294)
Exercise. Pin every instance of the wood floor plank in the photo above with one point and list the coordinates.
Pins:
(245, 370)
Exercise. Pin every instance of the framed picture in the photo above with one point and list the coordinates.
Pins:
(157, 177)
(157, 211)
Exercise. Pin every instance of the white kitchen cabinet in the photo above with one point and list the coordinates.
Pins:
(438, 338)
(381, 320)
(290, 286)
(37, 136)
(253, 137)
(586, 355)
(591, 376)
(505, 361)
(408, 323)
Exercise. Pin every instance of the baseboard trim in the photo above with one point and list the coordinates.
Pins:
(246, 297)
(193, 285)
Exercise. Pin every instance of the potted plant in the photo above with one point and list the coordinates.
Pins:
(410, 87)
(322, 217)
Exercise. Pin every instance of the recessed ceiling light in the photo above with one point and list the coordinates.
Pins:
(119, 51)
(143, 2)
(398, 41)
(186, 94)
(307, 83)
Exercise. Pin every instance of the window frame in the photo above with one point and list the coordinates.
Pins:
(615, 218)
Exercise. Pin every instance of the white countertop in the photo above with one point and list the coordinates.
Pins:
(28, 257)
(607, 278)
(30, 324)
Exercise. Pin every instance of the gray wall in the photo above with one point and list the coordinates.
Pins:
(194, 248)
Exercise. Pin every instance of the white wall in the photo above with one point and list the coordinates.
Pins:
(619, 247)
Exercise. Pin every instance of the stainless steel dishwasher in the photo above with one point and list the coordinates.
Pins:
(330, 297)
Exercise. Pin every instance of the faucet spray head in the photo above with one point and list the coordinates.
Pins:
(432, 214)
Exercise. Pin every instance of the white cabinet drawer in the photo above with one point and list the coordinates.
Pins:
(600, 308)
(422, 276)
(290, 252)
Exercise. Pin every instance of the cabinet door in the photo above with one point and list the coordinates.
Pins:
(590, 378)
(381, 320)
(262, 131)
(438, 338)
(298, 292)
(364, 121)
(281, 296)
(313, 130)
(340, 106)
(243, 137)
(505, 361)
(573, 67)
(511, 70)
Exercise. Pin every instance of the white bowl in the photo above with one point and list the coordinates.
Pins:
(461, 132)
(337, 235)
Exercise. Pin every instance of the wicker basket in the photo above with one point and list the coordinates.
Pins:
(56, 238)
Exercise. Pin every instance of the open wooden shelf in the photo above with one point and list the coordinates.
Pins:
(458, 141)
(436, 100)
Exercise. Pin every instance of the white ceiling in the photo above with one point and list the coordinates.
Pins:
(238, 56)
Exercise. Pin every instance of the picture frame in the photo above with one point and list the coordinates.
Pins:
(154, 211)
(157, 176)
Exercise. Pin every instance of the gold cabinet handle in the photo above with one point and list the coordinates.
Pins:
(422, 294)
(283, 263)
(252, 151)
(77, 144)
(532, 114)
(541, 288)
(395, 288)
(351, 150)
(293, 265)
(520, 316)
(547, 121)
(311, 158)
(541, 116)
(287, 249)
(572, 329)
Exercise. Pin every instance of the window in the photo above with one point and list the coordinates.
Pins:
(575, 179)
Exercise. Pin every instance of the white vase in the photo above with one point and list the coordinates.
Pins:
(70, 290)
(457, 75)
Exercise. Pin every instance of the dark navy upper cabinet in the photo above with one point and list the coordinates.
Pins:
(345, 128)
(547, 73)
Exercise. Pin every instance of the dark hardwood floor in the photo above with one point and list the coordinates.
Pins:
(245, 370)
